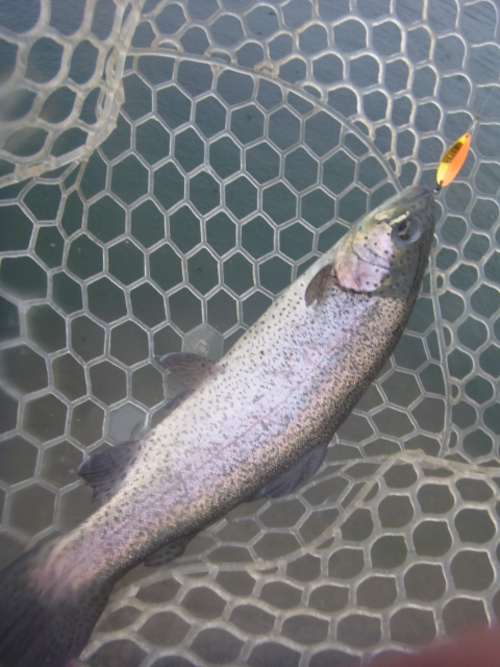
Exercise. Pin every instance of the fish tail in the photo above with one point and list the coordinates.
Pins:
(45, 625)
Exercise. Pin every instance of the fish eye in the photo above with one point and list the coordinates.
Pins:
(406, 231)
(403, 228)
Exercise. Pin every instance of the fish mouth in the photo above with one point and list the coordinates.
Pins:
(414, 200)
(413, 193)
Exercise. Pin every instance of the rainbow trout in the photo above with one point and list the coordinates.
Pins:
(256, 424)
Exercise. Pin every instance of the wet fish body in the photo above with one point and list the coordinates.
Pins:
(257, 424)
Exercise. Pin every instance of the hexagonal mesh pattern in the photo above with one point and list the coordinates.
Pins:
(371, 555)
(61, 78)
(204, 191)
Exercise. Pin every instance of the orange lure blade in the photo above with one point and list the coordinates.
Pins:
(452, 161)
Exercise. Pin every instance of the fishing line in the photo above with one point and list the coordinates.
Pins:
(454, 158)
(447, 170)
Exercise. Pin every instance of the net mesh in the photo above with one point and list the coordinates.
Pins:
(62, 69)
(168, 168)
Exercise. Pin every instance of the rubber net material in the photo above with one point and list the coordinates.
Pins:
(167, 169)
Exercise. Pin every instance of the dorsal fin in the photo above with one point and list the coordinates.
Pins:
(293, 478)
(105, 471)
(190, 368)
(168, 552)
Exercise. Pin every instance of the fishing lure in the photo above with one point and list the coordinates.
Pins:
(453, 160)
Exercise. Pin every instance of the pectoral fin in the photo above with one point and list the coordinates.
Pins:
(293, 478)
(190, 368)
(319, 285)
(167, 553)
(105, 471)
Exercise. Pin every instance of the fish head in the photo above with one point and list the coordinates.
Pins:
(386, 251)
